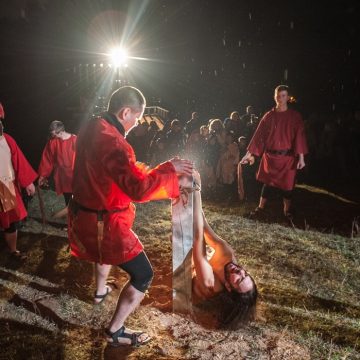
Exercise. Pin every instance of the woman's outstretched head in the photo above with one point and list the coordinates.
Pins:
(237, 278)
(242, 296)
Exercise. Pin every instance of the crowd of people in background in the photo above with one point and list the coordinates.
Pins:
(215, 146)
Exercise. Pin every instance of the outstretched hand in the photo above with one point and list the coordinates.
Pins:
(182, 166)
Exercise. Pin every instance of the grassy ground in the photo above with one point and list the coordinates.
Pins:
(308, 276)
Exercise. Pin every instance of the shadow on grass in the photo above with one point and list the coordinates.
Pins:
(332, 320)
(22, 341)
(313, 209)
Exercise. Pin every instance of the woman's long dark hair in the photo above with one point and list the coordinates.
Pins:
(227, 310)
(238, 308)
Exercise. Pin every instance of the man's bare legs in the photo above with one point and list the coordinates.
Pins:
(262, 203)
(11, 239)
(287, 205)
(101, 275)
(128, 301)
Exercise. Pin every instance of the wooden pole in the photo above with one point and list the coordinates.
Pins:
(182, 241)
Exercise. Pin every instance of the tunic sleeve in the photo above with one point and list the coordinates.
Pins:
(47, 161)
(257, 144)
(24, 173)
(300, 144)
(139, 182)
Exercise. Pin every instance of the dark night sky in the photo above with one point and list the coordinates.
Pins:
(210, 56)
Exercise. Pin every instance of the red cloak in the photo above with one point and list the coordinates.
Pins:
(107, 177)
(279, 131)
(58, 157)
(24, 176)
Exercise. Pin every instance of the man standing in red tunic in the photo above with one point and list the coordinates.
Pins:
(106, 181)
(281, 143)
(15, 173)
(58, 157)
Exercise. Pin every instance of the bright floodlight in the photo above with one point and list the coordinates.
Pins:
(118, 56)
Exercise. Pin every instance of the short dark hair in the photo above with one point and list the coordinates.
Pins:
(56, 126)
(282, 88)
(126, 96)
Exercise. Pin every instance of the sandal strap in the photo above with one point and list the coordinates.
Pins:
(103, 295)
(135, 338)
(18, 255)
(122, 334)
(116, 334)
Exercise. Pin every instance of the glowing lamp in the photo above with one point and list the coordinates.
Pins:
(118, 57)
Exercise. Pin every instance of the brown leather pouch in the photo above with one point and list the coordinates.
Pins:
(7, 197)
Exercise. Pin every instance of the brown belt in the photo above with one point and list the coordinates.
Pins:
(280, 152)
(75, 207)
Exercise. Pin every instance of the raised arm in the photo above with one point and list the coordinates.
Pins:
(221, 247)
(204, 272)
(207, 234)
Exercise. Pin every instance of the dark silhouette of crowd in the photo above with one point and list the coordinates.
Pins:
(334, 147)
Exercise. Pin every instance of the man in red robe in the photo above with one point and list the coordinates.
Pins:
(106, 181)
(15, 173)
(58, 157)
(281, 143)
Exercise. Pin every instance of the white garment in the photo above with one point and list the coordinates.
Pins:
(7, 173)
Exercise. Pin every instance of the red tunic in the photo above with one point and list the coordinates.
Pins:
(279, 131)
(24, 176)
(106, 176)
(59, 156)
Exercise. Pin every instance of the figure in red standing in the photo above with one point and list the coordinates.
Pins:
(281, 143)
(58, 158)
(106, 181)
(15, 174)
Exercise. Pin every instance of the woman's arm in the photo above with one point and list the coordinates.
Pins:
(221, 247)
(207, 233)
(204, 272)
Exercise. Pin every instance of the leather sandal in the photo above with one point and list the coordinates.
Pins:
(110, 286)
(256, 213)
(122, 334)
(18, 255)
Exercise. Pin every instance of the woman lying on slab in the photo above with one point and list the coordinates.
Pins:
(218, 275)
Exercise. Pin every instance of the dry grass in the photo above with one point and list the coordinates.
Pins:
(309, 283)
